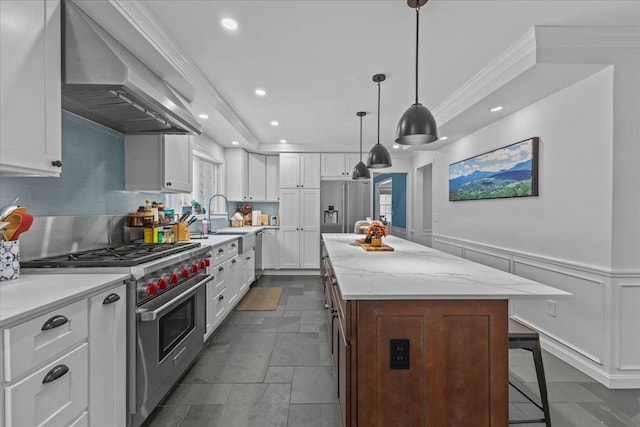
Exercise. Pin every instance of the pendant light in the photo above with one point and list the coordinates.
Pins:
(361, 171)
(379, 156)
(417, 125)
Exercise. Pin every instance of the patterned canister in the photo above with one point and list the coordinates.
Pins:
(9, 260)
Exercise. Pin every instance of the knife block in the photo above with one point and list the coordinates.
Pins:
(181, 231)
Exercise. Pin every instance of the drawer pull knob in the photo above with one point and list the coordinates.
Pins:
(220, 250)
(55, 373)
(111, 298)
(221, 297)
(54, 322)
(220, 269)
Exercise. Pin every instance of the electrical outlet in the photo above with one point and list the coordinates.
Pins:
(551, 308)
(399, 353)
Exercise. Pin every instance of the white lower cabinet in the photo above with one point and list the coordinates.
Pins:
(54, 395)
(247, 272)
(232, 269)
(270, 250)
(66, 366)
(107, 362)
(216, 291)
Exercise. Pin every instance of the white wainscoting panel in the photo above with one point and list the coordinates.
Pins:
(579, 320)
(629, 326)
(449, 248)
(494, 260)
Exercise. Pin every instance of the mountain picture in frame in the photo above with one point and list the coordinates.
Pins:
(510, 171)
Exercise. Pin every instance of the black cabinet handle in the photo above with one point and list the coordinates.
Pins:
(111, 298)
(221, 297)
(55, 373)
(57, 163)
(220, 250)
(248, 258)
(220, 269)
(54, 322)
(168, 184)
(233, 261)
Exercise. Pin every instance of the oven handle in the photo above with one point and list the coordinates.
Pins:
(147, 316)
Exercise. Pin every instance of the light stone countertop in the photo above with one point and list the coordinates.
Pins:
(218, 239)
(414, 271)
(34, 293)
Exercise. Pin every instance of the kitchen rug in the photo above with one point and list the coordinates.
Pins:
(260, 299)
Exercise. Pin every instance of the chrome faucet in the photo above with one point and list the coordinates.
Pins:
(226, 208)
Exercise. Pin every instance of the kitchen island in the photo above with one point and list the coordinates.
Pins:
(419, 337)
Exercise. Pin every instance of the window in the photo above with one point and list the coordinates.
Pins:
(205, 184)
(385, 207)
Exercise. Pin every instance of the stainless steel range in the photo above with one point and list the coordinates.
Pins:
(165, 312)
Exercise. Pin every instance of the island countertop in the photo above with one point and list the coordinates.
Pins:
(414, 271)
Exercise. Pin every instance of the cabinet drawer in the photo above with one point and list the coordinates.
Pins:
(219, 254)
(219, 306)
(219, 273)
(36, 340)
(232, 248)
(32, 402)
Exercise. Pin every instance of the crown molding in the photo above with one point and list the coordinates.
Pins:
(518, 58)
(141, 18)
(590, 37)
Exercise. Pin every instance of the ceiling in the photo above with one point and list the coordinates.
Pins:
(315, 59)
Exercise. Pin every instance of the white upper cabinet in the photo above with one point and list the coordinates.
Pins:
(256, 177)
(338, 165)
(251, 176)
(30, 88)
(299, 170)
(272, 178)
(158, 163)
(236, 165)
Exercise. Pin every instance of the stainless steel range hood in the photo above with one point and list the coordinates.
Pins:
(106, 83)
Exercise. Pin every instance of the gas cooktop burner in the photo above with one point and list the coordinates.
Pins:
(120, 256)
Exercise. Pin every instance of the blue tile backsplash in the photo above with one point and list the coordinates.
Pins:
(92, 179)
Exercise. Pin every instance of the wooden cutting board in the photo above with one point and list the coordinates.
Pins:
(370, 248)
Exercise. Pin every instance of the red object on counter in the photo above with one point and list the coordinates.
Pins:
(162, 283)
(173, 278)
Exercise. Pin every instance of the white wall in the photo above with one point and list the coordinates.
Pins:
(571, 218)
(568, 236)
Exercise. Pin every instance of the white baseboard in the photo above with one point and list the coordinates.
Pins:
(292, 272)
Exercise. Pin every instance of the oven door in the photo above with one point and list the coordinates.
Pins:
(170, 331)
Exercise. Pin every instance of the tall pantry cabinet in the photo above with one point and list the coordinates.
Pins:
(299, 238)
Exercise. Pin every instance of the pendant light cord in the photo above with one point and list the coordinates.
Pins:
(378, 113)
(360, 139)
(417, 41)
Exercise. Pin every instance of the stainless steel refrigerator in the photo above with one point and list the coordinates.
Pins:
(342, 203)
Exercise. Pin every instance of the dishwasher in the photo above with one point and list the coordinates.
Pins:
(258, 254)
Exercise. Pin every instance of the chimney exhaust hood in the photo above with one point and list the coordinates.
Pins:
(104, 82)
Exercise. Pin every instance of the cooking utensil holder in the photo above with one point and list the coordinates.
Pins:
(9, 260)
(181, 232)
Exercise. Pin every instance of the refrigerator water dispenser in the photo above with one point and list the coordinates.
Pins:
(331, 215)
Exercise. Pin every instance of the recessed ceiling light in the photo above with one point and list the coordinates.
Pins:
(283, 141)
(274, 123)
(443, 138)
(396, 146)
(261, 92)
(235, 142)
(203, 116)
(229, 24)
(498, 108)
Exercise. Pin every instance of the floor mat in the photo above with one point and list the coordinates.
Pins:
(260, 299)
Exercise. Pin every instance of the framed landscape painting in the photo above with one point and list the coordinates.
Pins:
(510, 171)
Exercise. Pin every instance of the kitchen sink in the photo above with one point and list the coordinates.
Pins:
(231, 233)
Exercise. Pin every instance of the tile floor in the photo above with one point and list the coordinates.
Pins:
(274, 368)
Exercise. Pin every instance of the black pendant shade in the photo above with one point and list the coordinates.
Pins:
(379, 156)
(361, 171)
(417, 125)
